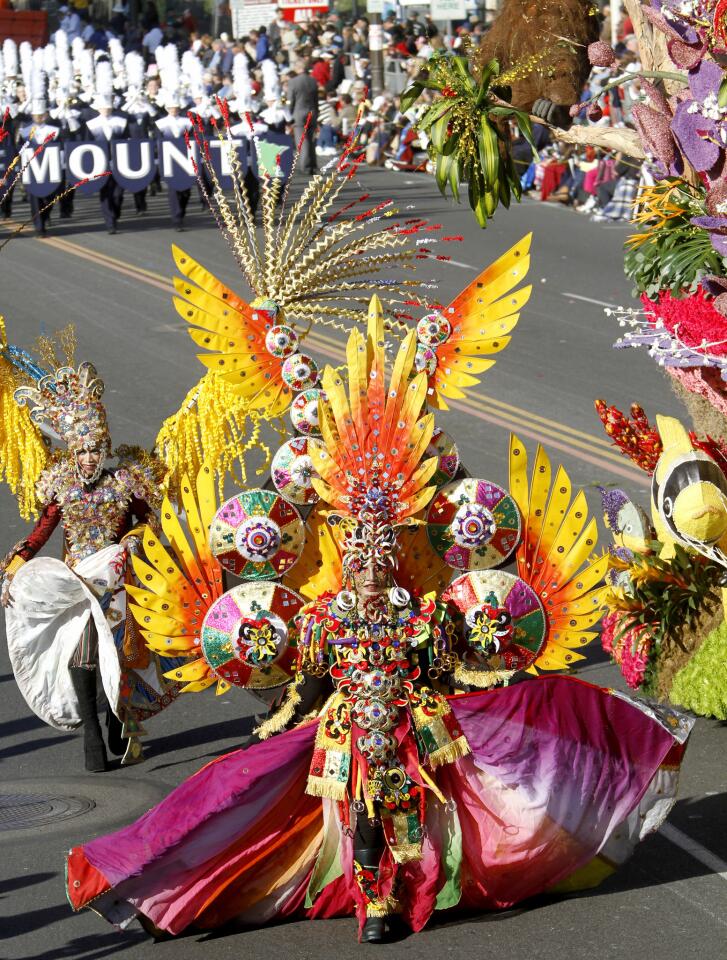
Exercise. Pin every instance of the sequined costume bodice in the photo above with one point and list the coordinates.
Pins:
(381, 671)
(92, 516)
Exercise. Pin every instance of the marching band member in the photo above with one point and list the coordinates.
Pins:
(104, 128)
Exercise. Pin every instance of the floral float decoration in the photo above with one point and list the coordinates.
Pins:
(665, 626)
(467, 127)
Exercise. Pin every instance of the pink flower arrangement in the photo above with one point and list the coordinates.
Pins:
(632, 649)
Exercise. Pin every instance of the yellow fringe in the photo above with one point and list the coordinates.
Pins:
(328, 789)
(23, 454)
(383, 908)
(450, 752)
(213, 426)
(484, 678)
(283, 715)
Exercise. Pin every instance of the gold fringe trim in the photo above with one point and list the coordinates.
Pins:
(406, 852)
(283, 715)
(450, 752)
(484, 679)
(12, 568)
(383, 908)
(327, 789)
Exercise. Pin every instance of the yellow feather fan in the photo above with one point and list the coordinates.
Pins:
(475, 325)
(180, 584)
(555, 556)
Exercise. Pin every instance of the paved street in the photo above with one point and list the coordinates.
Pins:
(670, 899)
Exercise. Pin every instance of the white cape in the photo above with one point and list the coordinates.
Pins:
(51, 607)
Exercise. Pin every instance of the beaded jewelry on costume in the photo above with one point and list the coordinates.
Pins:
(93, 513)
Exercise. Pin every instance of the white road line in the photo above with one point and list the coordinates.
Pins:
(679, 889)
(169, 328)
(455, 263)
(577, 296)
(694, 849)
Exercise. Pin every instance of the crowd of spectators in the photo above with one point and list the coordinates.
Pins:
(334, 52)
(335, 57)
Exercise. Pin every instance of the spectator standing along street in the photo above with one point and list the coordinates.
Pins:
(302, 102)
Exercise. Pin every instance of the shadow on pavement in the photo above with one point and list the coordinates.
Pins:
(21, 725)
(29, 746)
(133, 224)
(93, 947)
(239, 727)
(17, 883)
(4, 677)
(31, 920)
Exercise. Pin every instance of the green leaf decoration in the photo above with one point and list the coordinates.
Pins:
(722, 94)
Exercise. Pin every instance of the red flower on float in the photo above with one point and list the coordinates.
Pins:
(719, 24)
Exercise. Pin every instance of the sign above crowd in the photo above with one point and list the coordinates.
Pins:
(134, 163)
(298, 11)
(251, 14)
(443, 10)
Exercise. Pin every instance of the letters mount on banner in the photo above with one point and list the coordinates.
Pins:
(134, 163)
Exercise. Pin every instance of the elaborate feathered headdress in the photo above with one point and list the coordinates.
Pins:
(313, 266)
(69, 402)
(312, 257)
(373, 440)
(51, 396)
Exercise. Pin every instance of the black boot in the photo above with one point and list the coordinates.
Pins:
(373, 930)
(84, 685)
(117, 743)
(369, 858)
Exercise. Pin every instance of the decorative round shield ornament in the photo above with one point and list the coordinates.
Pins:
(433, 329)
(473, 524)
(304, 412)
(444, 448)
(281, 341)
(300, 372)
(257, 535)
(292, 471)
(425, 359)
(245, 635)
(504, 622)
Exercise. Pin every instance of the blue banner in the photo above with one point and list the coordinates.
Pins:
(134, 163)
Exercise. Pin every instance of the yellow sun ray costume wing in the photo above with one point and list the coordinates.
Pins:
(419, 567)
(318, 569)
(180, 584)
(233, 332)
(555, 556)
(457, 342)
(220, 420)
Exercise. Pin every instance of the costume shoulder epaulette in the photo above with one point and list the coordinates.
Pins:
(55, 478)
(142, 472)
